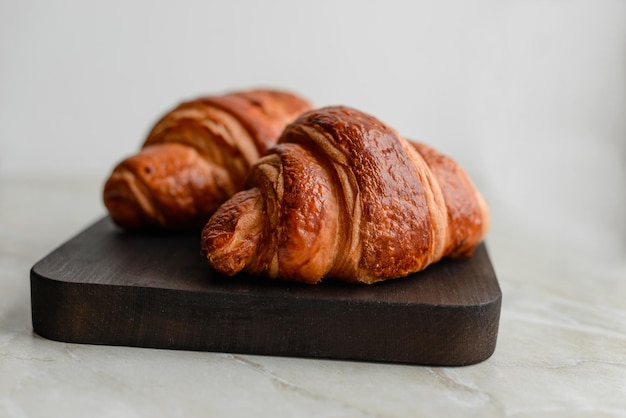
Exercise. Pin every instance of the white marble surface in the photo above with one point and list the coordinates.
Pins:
(561, 348)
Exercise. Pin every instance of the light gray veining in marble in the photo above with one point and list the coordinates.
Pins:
(561, 348)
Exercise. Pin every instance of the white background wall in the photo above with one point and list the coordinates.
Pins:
(529, 95)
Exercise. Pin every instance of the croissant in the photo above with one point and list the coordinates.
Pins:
(196, 157)
(344, 196)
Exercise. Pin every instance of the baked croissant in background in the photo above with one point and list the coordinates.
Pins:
(344, 196)
(196, 157)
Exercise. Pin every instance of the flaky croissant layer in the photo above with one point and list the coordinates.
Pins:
(196, 157)
(344, 196)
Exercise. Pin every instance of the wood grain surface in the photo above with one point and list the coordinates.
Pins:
(106, 286)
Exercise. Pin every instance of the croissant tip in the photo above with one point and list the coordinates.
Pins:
(121, 202)
(123, 211)
(225, 267)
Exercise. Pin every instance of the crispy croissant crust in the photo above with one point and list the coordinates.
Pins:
(344, 196)
(196, 157)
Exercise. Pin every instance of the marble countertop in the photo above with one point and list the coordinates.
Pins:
(561, 347)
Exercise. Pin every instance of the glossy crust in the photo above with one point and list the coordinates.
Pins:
(196, 157)
(344, 196)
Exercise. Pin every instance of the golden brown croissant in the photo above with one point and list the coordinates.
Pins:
(197, 156)
(344, 196)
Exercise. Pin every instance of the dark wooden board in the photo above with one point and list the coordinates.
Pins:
(105, 286)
